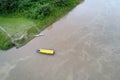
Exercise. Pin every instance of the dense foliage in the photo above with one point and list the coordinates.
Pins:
(61, 3)
(36, 9)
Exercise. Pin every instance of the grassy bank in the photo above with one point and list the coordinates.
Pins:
(5, 41)
(23, 26)
(16, 25)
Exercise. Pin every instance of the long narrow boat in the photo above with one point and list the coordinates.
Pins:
(46, 51)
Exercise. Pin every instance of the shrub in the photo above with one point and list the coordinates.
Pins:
(44, 10)
(32, 30)
(24, 4)
(38, 11)
(32, 13)
(43, 1)
(5, 41)
(61, 3)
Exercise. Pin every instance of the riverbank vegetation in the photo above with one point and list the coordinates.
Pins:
(22, 19)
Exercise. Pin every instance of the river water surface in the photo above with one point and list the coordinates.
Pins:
(87, 45)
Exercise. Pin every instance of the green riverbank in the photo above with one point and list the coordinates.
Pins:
(17, 29)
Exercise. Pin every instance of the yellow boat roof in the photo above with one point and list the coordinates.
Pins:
(47, 51)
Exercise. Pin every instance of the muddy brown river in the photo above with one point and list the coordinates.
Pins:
(87, 45)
